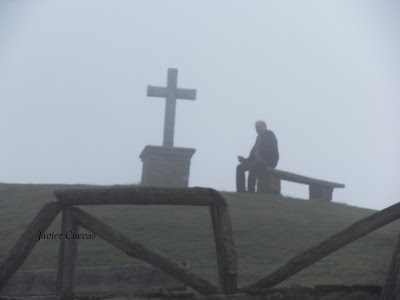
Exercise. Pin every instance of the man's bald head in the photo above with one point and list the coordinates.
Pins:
(261, 126)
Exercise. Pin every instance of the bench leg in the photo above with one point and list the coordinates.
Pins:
(320, 192)
(269, 183)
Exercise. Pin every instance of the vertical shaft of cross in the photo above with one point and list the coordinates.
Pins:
(170, 107)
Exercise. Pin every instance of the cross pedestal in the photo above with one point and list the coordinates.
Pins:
(166, 167)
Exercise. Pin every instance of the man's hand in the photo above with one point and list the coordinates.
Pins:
(241, 159)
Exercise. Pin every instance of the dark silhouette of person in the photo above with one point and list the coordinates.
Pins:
(263, 155)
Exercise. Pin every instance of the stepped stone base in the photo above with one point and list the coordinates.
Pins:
(166, 167)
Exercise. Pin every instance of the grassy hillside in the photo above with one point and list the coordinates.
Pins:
(268, 231)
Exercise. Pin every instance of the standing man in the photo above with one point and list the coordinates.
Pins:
(263, 155)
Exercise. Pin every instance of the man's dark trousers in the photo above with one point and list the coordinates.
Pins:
(256, 169)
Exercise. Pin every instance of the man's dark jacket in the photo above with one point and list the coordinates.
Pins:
(265, 150)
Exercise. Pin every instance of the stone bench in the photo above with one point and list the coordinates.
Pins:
(318, 189)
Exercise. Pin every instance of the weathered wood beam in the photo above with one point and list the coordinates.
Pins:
(138, 196)
(67, 256)
(337, 241)
(28, 240)
(391, 290)
(225, 246)
(226, 255)
(136, 250)
(218, 245)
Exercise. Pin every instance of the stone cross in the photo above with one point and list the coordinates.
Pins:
(171, 93)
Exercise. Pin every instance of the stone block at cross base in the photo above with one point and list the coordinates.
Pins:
(166, 167)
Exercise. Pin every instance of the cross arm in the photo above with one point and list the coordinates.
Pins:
(155, 91)
(188, 94)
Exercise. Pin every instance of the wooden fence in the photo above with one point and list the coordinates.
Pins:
(73, 217)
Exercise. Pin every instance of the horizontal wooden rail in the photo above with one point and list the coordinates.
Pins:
(337, 241)
(139, 196)
(136, 250)
(28, 240)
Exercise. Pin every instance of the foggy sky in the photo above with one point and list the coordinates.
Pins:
(323, 75)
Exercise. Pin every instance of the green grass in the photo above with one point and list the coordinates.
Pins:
(268, 231)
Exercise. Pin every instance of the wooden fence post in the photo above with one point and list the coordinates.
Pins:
(391, 290)
(67, 256)
(218, 245)
(225, 248)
